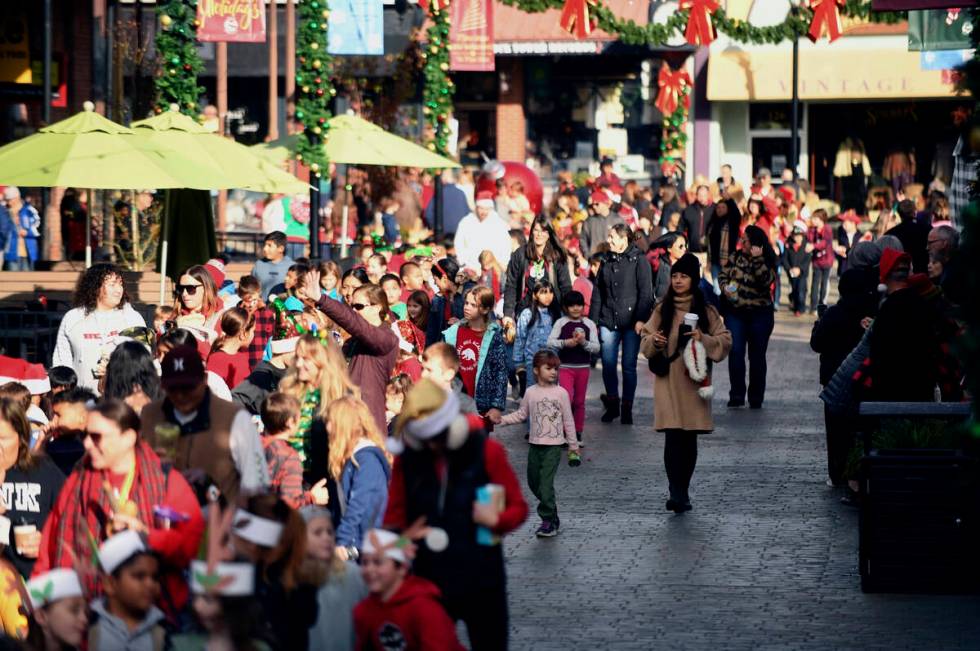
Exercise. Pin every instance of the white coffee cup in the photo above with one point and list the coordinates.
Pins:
(691, 319)
(21, 532)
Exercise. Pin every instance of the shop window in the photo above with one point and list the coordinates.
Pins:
(771, 116)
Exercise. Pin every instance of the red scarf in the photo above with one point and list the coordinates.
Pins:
(89, 513)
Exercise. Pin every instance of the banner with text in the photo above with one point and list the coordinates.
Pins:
(231, 21)
(356, 27)
(471, 36)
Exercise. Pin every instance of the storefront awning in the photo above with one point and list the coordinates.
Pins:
(826, 73)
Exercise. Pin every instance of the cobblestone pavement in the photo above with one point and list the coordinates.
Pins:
(766, 560)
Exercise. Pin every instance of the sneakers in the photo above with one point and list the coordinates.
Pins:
(735, 404)
(547, 529)
(574, 459)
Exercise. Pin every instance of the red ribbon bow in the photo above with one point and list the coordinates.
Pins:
(672, 84)
(825, 12)
(437, 5)
(699, 30)
(575, 18)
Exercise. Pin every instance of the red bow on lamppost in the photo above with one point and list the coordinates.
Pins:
(825, 12)
(437, 5)
(673, 86)
(575, 18)
(699, 30)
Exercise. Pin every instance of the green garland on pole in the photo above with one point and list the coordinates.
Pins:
(314, 87)
(178, 63)
(437, 94)
(673, 143)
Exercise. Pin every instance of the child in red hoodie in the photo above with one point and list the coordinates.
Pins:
(401, 611)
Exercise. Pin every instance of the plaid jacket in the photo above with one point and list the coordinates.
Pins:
(265, 323)
(964, 171)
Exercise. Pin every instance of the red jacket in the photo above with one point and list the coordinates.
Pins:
(413, 619)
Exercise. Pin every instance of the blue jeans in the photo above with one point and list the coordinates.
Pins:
(750, 329)
(296, 249)
(610, 353)
(715, 272)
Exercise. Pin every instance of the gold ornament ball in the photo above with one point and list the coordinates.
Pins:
(434, 49)
(317, 130)
(325, 13)
(166, 20)
(306, 89)
(317, 64)
(299, 156)
(333, 91)
(444, 67)
(315, 167)
(314, 46)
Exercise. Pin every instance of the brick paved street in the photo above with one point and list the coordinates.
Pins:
(767, 559)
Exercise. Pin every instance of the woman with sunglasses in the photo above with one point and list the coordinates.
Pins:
(665, 251)
(198, 306)
(120, 484)
(87, 334)
(372, 350)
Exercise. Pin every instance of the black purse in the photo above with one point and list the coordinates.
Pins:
(660, 363)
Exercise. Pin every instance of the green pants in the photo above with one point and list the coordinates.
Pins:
(542, 464)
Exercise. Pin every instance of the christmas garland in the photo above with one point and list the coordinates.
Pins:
(178, 61)
(673, 141)
(795, 25)
(314, 87)
(437, 93)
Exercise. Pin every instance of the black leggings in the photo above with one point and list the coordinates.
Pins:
(680, 457)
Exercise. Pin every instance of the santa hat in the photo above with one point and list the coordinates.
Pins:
(53, 586)
(484, 199)
(890, 259)
(787, 193)
(696, 362)
(226, 579)
(851, 216)
(216, 269)
(120, 548)
(32, 376)
(599, 196)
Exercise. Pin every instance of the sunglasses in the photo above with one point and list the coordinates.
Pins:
(95, 436)
(360, 306)
(190, 290)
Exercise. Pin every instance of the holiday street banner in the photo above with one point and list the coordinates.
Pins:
(471, 36)
(231, 21)
(939, 30)
(356, 27)
(903, 5)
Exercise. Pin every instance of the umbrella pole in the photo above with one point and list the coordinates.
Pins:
(345, 217)
(163, 248)
(88, 230)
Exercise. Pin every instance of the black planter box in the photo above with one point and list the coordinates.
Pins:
(919, 522)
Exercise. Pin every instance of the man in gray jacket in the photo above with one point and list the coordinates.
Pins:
(596, 227)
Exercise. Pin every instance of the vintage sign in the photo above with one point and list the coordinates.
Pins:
(231, 21)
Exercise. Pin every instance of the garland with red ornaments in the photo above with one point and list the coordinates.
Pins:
(438, 89)
(178, 62)
(674, 102)
(314, 87)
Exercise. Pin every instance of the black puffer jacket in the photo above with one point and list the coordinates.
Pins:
(839, 330)
(516, 291)
(623, 293)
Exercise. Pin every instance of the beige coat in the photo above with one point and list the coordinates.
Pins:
(677, 404)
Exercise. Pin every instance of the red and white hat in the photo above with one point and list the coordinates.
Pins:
(484, 200)
(32, 376)
(216, 269)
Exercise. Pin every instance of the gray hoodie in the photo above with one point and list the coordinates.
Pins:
(110, 633)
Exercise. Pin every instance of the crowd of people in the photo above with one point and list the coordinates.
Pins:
(306, 456)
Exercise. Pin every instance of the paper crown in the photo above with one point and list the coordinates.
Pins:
(227, 579)
(388, 543)
(255, 529)
(52, 586)
(120, 548)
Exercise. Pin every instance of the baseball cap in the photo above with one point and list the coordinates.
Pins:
(182, 367)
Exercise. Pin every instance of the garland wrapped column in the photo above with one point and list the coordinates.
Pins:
(437, 94)
(177, 59)
(674, 101)
(314, 87)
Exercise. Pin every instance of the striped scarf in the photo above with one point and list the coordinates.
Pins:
(89, 513)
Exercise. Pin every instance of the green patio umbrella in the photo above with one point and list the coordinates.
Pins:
(189, 218)
(89, 151)
(355, 141)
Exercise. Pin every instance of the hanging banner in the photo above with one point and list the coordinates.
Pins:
(356, 27)
(471, 36)
(231, 21)
(939, 30)
(15, 56)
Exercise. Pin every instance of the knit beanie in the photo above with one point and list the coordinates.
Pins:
(689, 265)
(863, 255)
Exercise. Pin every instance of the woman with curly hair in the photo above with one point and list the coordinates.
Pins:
(87, 334)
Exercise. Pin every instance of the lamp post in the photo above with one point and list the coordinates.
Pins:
(794, 129)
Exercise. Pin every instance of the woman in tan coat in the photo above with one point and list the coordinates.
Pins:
(682, 397)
